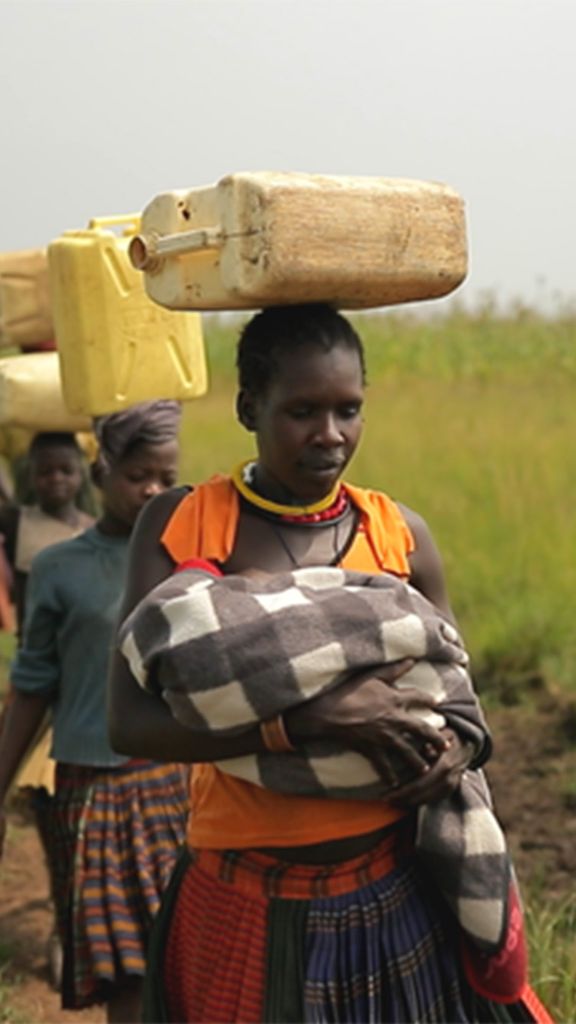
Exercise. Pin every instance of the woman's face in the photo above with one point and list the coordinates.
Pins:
(308, 423)
(146, 471)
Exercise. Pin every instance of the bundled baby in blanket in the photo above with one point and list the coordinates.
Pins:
(228, 652)
(236, 650)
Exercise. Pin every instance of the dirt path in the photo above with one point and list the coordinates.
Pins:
(532, 776)
(25, 925)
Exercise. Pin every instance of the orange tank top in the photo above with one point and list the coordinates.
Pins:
(227, 812)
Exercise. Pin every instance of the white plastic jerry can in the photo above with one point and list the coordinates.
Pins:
(116, 346)
(25, 314)
(269, 238)
(31, 394)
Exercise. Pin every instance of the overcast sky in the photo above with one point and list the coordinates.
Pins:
(104, 103)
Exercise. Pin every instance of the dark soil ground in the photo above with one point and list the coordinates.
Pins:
(533, 777)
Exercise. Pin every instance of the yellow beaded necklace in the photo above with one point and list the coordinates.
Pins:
(240, 479)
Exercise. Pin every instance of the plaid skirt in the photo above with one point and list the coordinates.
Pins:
(243, 937)
(117, 834)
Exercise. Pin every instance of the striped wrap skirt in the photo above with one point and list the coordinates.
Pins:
(244, 937)
(117, 834)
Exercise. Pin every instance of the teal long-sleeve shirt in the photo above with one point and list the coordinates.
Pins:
(72, 604)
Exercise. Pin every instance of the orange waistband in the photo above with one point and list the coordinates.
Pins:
(261, 875)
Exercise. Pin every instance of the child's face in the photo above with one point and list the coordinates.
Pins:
(56, 477)
(148, 470)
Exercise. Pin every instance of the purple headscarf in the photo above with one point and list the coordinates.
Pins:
(145, 423)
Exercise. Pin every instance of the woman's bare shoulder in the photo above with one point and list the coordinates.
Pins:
(157, 512)
(427, 571)
(414, 520)
(149, 561)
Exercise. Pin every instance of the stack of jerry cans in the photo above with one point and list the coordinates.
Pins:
(31, 395)
(25, 312)
(117, 347)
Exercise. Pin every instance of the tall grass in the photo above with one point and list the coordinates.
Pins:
(551, 930)
(471, 420)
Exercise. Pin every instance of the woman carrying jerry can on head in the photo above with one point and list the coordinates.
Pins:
(118, 822)
(286, 907)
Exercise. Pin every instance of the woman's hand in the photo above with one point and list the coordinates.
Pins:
(370, 715)
(442, 777)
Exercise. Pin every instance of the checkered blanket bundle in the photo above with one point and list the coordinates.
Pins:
(226, 653)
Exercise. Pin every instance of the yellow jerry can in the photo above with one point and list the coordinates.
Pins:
(268, 238)
(116, 346)
(31, 394)
(25, 314)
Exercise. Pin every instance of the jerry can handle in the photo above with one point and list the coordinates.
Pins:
(132, 219)
(146, 251)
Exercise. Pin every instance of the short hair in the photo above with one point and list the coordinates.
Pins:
(53, 439)
(281, 329)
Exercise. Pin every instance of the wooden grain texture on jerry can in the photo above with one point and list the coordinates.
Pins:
(25, 312)
(31, 395)
(116, 346)
(268, 238)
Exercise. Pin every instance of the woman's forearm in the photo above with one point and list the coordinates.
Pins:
(23, 718)
(142, 725)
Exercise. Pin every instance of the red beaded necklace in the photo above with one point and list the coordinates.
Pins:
(334, 511)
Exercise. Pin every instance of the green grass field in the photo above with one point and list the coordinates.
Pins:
(471, 420)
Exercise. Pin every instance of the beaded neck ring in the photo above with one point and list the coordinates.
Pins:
(332, 508)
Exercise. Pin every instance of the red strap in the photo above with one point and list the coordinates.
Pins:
(199, 563)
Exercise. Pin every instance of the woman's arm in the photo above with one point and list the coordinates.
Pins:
(140, 724)
(21, 721)
(426, 569)
(35, 674)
